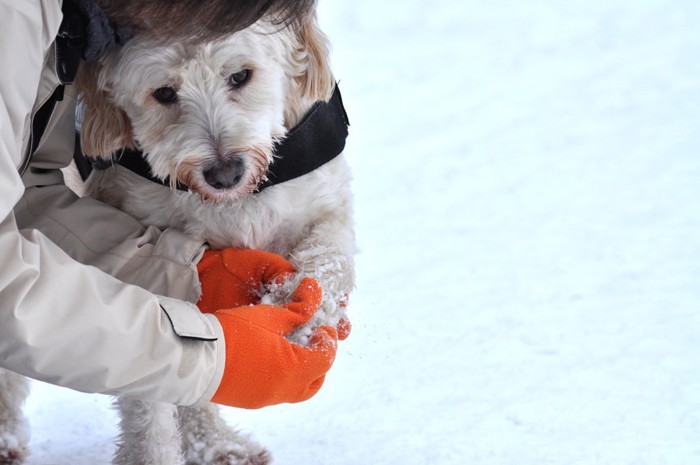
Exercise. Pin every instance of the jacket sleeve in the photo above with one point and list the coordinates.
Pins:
(67, 316)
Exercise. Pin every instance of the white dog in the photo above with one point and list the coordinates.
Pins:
(212, 118)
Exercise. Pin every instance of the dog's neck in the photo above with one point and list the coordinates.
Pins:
(317, 139)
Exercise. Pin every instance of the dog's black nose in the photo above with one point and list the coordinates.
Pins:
(225, 174)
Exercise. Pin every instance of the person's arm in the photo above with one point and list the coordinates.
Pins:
(71, 325)
(60, 320)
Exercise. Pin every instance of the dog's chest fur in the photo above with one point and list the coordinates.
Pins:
(275, 219)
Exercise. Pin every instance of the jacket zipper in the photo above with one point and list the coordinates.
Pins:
(40, 121)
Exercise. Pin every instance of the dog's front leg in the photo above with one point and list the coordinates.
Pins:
(14, 430)
(208, 440)
(326, 254)
(150, 434)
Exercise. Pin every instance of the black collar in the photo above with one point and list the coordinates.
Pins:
(316, 140)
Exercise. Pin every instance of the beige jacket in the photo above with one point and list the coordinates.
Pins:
(66, 315)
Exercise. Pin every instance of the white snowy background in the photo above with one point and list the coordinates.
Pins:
(527, 181)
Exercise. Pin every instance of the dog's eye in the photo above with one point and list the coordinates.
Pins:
(236, 80)
(165, 95)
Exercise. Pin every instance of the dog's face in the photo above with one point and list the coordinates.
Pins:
(206, 115)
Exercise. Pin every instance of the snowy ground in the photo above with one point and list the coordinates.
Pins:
(527, 180)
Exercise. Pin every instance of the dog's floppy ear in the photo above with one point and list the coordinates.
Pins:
(105, 128)
(316, 81)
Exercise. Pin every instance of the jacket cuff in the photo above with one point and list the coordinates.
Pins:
(190, 323)
(220, 361)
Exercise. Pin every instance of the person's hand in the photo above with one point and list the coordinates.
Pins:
(262, 367)
(234, 277)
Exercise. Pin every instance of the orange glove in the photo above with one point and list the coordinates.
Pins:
(233, 277)
(262, 367)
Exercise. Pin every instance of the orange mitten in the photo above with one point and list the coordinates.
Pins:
(262, 367)
(233, 277)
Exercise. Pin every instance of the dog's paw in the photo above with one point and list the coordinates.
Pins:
(208, 440)
(12, 450)
(239, 452)
(259, 458)
(330, 313)
(279, 293)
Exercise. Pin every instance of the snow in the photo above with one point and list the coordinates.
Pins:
(527, 177)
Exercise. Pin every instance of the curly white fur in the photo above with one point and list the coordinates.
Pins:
(14, 430)
(214, 126)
